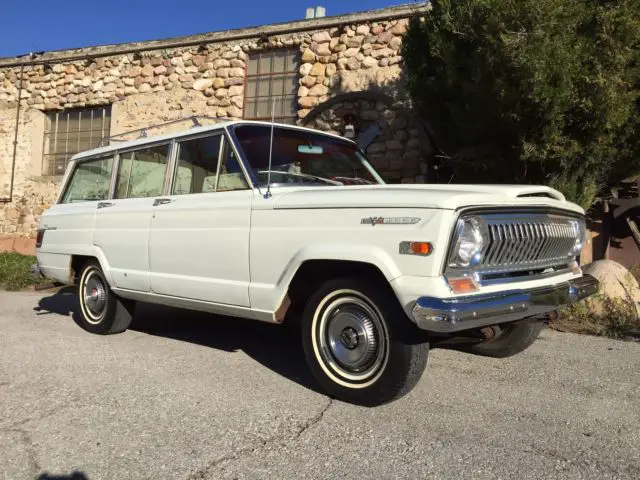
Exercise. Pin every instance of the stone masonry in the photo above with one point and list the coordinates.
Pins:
(152, 82)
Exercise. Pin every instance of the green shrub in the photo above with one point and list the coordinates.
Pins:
(531, 91)
(616, 318)
(15, 273)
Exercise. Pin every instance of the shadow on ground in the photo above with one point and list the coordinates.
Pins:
(72, 476)
(277, 348)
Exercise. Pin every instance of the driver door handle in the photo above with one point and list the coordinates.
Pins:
(105, 204)
(161, 201)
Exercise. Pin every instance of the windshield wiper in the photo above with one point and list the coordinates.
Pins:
(303, 176)
(360, 181)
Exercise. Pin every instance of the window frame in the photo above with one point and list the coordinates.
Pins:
(258, 76)
(172, 163)
(144, 146)
(225, 139)
(253, 181)
(71, 174)
(177, 162)
(49, 135)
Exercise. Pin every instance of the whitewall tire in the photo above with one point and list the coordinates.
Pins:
(359, 343)
(100, 310)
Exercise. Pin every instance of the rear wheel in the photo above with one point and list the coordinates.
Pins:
(101, 311)
(358, 343)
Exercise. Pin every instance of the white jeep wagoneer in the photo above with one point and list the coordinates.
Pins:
(285, 224)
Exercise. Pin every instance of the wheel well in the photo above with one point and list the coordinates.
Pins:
(312, 273)
(77, 261)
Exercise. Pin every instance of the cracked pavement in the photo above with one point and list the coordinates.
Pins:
(185, 395)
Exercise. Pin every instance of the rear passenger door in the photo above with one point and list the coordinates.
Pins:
(122, 223)
(199, 237)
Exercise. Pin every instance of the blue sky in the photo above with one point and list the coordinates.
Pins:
(36, 25)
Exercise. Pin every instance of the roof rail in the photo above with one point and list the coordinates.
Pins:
(142, 132)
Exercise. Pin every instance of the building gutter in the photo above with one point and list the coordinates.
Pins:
(393, 13)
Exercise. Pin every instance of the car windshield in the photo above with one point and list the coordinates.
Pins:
(303, 157)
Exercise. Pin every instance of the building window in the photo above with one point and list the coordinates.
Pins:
(71, 131)
(272, 76)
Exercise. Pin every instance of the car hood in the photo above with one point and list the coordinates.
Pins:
(449, 197)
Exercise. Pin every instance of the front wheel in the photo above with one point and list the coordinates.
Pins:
(101, 311)
(359, 344)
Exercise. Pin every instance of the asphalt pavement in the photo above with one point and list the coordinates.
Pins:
(184, 395)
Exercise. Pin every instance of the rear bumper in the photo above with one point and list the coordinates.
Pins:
(36, 271)
(456, 314)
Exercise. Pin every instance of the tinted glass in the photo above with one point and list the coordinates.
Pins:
(89, 181)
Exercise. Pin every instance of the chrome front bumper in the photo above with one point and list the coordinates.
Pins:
(455, 314)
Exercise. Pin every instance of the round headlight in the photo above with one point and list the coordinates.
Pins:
(469, 244)
(580, 232)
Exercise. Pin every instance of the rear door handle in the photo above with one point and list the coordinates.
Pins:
(161, 201)
(105, 204)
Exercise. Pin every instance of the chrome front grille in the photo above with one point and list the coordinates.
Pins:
(529, 242)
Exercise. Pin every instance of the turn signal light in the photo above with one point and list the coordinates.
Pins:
(416, 248)
(463, 285)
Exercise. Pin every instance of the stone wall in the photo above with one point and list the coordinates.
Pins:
(147, 87)
(400, 149)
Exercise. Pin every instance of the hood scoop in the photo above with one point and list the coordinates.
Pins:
(542, 193)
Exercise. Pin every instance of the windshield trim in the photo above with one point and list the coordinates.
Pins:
(257, 185)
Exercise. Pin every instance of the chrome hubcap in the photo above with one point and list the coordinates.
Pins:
(95, 295)
(352, 338)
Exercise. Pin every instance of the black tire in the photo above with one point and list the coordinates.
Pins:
(387, 354)
(511, 340)
(99, 309)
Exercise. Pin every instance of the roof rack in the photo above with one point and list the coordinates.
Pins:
(143, 132)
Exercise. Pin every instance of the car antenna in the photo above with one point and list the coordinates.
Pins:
(273, 114)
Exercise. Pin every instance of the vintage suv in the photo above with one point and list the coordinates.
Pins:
(285, 224)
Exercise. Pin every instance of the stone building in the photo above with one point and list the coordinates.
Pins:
(343, 74)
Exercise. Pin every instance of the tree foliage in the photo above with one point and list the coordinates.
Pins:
(531, 91)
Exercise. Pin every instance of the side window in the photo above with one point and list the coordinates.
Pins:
(89, 181)
(231, 176)
(141, 172)
(197, 165)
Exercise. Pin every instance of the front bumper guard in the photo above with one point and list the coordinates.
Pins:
(446, 315)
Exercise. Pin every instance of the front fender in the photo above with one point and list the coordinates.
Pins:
(269, 297)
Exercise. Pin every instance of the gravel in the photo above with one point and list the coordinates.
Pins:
(184, 395)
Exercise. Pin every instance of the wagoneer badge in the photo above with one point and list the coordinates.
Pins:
(373, 221)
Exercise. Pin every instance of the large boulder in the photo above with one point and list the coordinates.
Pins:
(616, 282)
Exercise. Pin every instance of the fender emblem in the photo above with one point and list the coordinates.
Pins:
(373, 221)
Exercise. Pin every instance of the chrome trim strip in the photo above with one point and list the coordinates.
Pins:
(170, 167)
(500, 281)
(448, 315)
(223, 139)
(113, 181)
